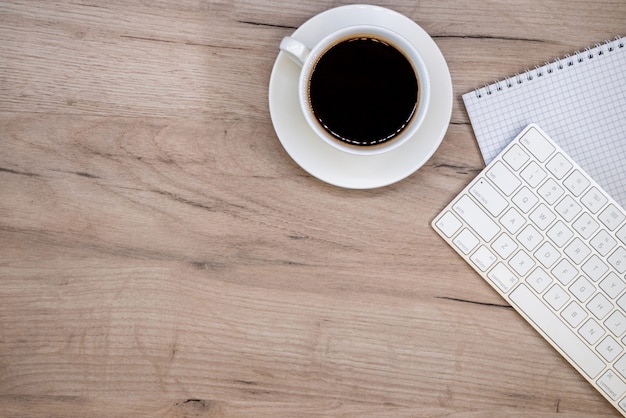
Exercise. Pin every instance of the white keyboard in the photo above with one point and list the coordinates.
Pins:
(539, 230)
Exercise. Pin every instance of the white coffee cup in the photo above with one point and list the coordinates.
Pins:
(308, 58)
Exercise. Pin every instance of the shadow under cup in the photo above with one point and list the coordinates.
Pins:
(365, 93)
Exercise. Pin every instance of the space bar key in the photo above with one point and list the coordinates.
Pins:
(557, 331)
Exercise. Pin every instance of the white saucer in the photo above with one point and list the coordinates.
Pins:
(337, 167)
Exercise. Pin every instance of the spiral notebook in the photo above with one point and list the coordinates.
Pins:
(579, 100)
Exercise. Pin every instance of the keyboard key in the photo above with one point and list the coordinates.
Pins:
(564, 271)
(504, 246)
(576, 183)
(512, 220)
(537, 144)
(560, 233)
(533, 174)
(577, 251)
(466, 241)
(622, 302)
(515, 157)
(600, 306)
(616, 323)
(621, 234)
(618, 260)
(593, 199)
(483, 258)
(547, 255)
(611, 217)
(488, 197)
(556, 331)
(474, 216)
(595, 268)
(620, 366)
(622, 404)
(591, 331)
(550, 191)
(582, 289)
(609, 348)
(603, 242)
(503, 178)
(542, 216)
(521, 263)
(559, 166)
(574, 314)
(612, 385)
(612, 285)
(530, 237)
(502, 277)
(568, 208)
(539, 280)
(585, 225)
(556, 297)
(448, 224)
(525, 199)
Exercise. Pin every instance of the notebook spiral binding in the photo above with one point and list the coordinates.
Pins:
(557, 64)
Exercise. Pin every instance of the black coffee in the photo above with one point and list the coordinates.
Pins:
(363, 91)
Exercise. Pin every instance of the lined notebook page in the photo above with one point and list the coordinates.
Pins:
(579, 100)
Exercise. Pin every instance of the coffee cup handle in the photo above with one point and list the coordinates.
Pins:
(296, 50)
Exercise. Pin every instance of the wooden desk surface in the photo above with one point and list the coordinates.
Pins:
(162, 255)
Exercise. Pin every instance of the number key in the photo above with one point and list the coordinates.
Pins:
(585, 225)
(618, 260)
(603, 242)
(550, 191)
(568, 208)
(533, 174)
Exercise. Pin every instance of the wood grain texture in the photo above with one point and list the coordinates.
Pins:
(162, 255)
